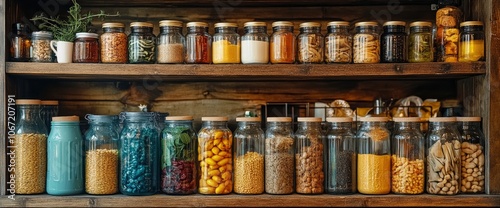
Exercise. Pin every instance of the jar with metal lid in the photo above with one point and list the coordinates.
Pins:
(282, 48)
(448, 18)
(255, 43)
(472, 155)
(310, 43)
(215, 141)
(86, 48)
(471, 42)
(338, 43)
(420, 43)
(40, 47)
(374, 156)
(48, 109)
(279, 157)
(178, 156)
(20, 43)
(198, 43)
(393, 42)
(141, 43)
(248, 156)
(113, 43)
(443, 151)
(226, 44)
(170, 43)
(366, 43)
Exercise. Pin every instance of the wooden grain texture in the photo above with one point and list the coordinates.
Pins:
(3, 159)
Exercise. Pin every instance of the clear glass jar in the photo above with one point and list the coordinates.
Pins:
(40, 47)
(198, 43)
(279, 158)
(139, 154)
(393, 42)
(340, 157)
(420, 48)
(101, 155)
(282, 48)
(141, 43)
(374, 156)
(170, 43)
(113, 43)
(471, 42)
(255, 43)
(408, 155)
(178, 156)
(310, 43)
(20, 43)
(249, 156)
(226, 44)
(86, 48)
(443, 156)
(49, 109)
(215, 169)
(472, 154)
(309, 175)
(448, 18)
(338, 43)
(366, 43)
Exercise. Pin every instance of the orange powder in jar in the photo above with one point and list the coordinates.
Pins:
(282, 50)
(374, 174)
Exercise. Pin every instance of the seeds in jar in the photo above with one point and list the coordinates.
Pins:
(41, 51)
(101, 171)
(366, 49)
(170, 53)
(215, 160)
(407, 175)
(338, 49)
(310, 49)
(443, 168)
(472, 180)
(249, 173)
(341, 173)
(113, 48)
(309, 168)
(279, 168)
(31, 163)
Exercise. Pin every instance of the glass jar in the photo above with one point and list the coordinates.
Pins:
(20, 43)
(408, 155)
(310, 43)
(198, 43)
(393, 42)
(443, 156)
(366, 43)
(472, 154)
(178, 156)
(49, 109)
(338, 43)
(141, 43)
(226, 44)
(64, 157)
(113, 42)
(170, 43)
(40, 47)
(139, 154)
(86, 48)
(471, 41)
(279, 158)
(374, 156)
(448, 18)
(249, 156)
(255, 43)
(309, 175)
(101, 156)
(420, 48)
(340, 157)
(215, 169)
(282, 49)
(31, 148)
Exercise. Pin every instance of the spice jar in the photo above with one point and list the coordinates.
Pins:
(141, 43)
(86, 48)
(448, 18)
(282, 49)
(255, 43)
(374, 156)
(198, 43)
(178, 156)
(471, 41)
(226, 44)
(101, 155)
(310, 43)
(20, 43)
(472, 155)
(279, 159)
(113, 43)
(40, 47)
(366, 43)
(443, 156)
(393, 42)
(170, 43)
(49, 109)
(338, 43)
(420, 48)
(215, 169)
(249, 156)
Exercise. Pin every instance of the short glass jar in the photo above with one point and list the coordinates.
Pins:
(198, 43)
(471, 42)
(40, 47)
(226, 44)
(113, 43)
(255, 43)
(170, 43)
(141, 43)
(472, 155)
(310, 43)
(393, 42)
(282, 46)
(366, 43)
(86, 48)
(338, 43)
(279, 158)
(420, 43)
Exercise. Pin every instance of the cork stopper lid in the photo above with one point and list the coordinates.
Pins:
(279, 119)
(443, 119)
(221, 118)
(338, 23)
(406, 119)
(197, 24)
(174, 23)
(141, 24)
(421, 24)
(112, 24)
(28, 102)
(397, 23)
(254, 24)
(178, 118)
(310, 24)
(66, 118)
(471, 23)
(248, 119)
(309, 119)
(366, 24)
(373, 119)
(226, 24)
(339, 119)
(50, 102)
(282, 23)
(469, 119)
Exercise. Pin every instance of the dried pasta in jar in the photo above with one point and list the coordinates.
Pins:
(366, 43)
(310, 43)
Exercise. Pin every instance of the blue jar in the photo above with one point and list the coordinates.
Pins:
(64, 157)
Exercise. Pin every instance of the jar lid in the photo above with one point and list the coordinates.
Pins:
(173, 23)
(366, 24)
(255, 24)
(226, 24)
(137, 114)
(471, 23)
(49, 102)
(339, 119)
(469, 119)
(373, 119)
(282, 23)
(421, 24)
(406, 119)
(310, 24)
(141, 24)
(87, 35)
(394, 23)
(102, 118)
(338, 23)
(248, 119)
(443, 119)
(197, 24)
(222, 118)
(279, 119)
(45, 34)
(309, 119)
(66, 118)
(28, 102)
(179, 118)
(112, 24)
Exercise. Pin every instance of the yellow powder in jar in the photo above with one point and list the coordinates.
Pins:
(374, 174)
(224, 52)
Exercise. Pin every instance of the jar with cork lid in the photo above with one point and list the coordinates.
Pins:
(255, 43)
(226, 44)
(279, 157)
(141, 43)
(113, 43)
(338, 43)
(366, 43)
(170, 43)
(310, 43)
(198, 43)
(471, 42)
(282, 43)
(472, 155)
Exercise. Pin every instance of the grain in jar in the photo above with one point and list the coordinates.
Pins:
(309, 175)
(310, 43)
(338, 43)
(473, 159)
(282, 46)
(471, 42)
(141, 43)
(420, 42)
(198, 43)
(279, 157)
(226, 44)
(255, 43)
(113, 43)
(40, 47)
(366, 43)
(170, 43)
(393, 42)
(448, 18)
(86, 48)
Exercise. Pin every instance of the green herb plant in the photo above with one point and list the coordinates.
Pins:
(177, 145)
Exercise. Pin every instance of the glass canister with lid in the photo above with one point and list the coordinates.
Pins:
(393, 42)
(49, 109)
(170, 43)
(198, 43)
(282, 47)
(472, 154)
(226, 44)
(20, 43)
(113, 43)
(338, 43)
(255, 43)
(448, 18)
(86, 48)
(420, 42)
(40, 47)
(279, 158)
(310, 43)
(471, 41)
(141, 43)
(366, 43)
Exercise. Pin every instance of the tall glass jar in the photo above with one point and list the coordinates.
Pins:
(40, 47)
(215, 169)
(30, 141)
(226, 44)
(448, 18)
(309, 175)
(310, 43)
(282, 48)
(170, 43)
(408, 155)
(178, 156)
(49, 109)
(471, 41)
(198, 43)
(141, 43)
(113, 43)
(443, 156)
(420, 43)
(255, 43)
(338, 43)
(472, 155)
(86, 48)
(374, 156)
(393, 42)
(366, 43)
(20, 43)
(139, 154)
(279, 158)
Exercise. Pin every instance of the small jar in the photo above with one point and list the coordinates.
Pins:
(170, 43)
(279, 158)
(310, 43)
(198, 43)
(141, 43)
(338, 43)
(255, 43)
(40, 47)
(448, 18)
(86, 48)
(282, 49)
(393, 42)
(309, 175)
(49, 109)
(366, 43)
(471, 42)
(20, 43)
(472, 155)
(226, 44)
(420, 43)
(113, 43)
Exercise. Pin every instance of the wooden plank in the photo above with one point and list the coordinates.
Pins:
(3, 127)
